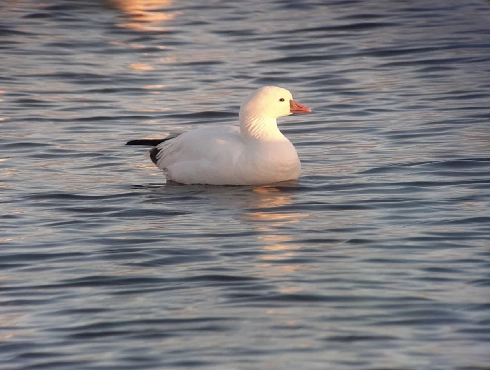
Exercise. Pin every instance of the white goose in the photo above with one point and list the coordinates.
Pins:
(254, 153)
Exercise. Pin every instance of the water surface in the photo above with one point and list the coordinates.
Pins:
(377, 258)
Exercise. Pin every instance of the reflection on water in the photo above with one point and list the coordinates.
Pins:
(143, 15)
(268, 217)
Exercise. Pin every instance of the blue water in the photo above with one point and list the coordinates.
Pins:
(377, 258)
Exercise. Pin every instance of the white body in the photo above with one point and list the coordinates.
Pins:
(254, 153)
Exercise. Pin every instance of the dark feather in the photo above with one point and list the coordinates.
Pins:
(149, 142)
(153, 155)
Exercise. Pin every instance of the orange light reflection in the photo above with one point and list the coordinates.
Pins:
(279, 248)
(143, 15)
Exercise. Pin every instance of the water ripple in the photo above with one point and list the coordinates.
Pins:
(376, 258)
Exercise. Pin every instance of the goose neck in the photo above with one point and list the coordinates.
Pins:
(259, 128)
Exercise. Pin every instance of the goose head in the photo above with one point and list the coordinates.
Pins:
(271, 102)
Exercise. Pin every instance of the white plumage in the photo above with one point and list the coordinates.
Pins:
(253, 153)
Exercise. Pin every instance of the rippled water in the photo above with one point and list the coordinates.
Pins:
(378, 258)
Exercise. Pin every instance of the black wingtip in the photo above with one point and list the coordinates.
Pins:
(153, 155)
(151, 142)
(148, 142)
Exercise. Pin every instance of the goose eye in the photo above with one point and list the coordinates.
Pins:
(282, 99)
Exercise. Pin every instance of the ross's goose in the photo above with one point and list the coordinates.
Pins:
(253, 153)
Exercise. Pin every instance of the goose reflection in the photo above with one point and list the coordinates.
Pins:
(268, 216)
